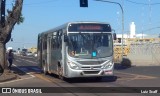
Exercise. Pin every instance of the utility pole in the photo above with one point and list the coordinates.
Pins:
(2, 24)
(2, 12)
(0, 9)
(150, 16)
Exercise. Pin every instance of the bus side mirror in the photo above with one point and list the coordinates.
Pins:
(65, 38)
(114, 36)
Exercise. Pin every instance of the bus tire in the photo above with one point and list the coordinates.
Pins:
(45, 69)
(60, 72)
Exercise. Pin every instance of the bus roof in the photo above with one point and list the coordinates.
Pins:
(68, 23)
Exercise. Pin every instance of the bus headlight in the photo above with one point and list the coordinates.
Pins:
(108, 65)
(73, 65)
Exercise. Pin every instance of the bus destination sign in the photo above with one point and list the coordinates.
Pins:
(86, 27)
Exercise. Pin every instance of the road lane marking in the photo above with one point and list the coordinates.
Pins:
(135, 76)
(16, 80)
(47, 78)
(42, 77)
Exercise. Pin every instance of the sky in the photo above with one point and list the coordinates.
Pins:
(42, 15)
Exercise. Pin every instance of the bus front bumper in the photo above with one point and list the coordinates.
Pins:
(89, 73)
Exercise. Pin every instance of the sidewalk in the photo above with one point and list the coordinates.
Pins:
(14, 74)
(8, 76)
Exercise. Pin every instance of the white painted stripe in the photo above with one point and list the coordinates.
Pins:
(16, 80)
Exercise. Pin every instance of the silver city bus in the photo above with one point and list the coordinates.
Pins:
(77, 49)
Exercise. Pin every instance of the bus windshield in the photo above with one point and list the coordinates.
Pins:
(90, 45)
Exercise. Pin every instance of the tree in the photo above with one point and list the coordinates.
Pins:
(14, 16)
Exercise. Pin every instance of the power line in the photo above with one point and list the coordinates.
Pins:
(138, 3)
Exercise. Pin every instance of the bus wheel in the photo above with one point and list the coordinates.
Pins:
(60, 73)
(45, 69)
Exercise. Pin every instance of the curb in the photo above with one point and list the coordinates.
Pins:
(8, 77)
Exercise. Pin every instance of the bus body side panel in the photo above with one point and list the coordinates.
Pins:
(44, 50)
(64, 57)
(39, 51)
(56, 49)
(49, 52)
(53, 58)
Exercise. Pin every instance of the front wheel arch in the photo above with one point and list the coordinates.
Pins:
(60, 70)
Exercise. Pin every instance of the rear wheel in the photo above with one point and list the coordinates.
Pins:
(45, 69)
(60, 73)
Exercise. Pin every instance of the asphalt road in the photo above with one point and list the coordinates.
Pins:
(125, 78)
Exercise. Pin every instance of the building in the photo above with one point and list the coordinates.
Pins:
(132, 30)
(32, 49)
(131, 35)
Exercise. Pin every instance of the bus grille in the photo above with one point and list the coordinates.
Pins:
(91, 72)
(90, 62)
(89, 67)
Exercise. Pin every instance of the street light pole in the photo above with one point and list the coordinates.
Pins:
(122, 20)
